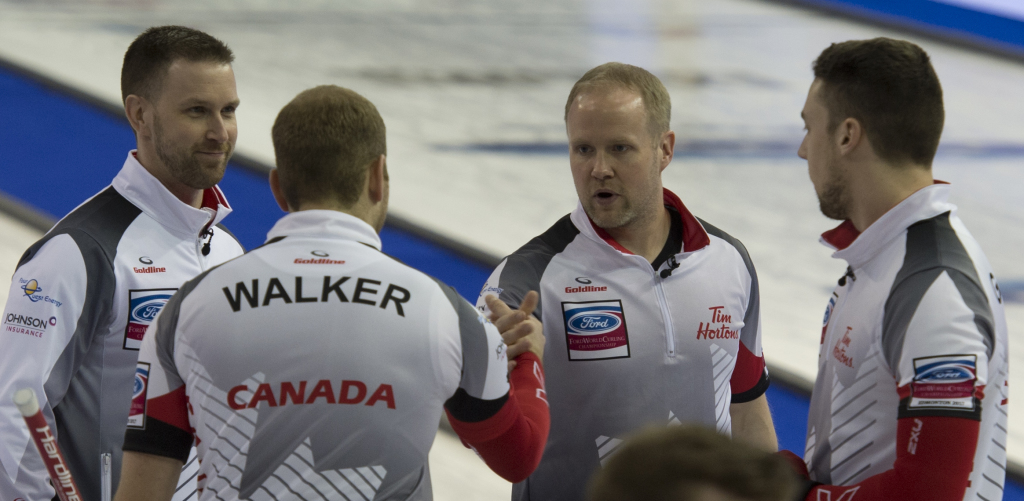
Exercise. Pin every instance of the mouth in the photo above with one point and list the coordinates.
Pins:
(605, 197)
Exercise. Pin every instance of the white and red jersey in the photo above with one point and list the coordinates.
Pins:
(80, 301)
(631, 343)
(316, 367)
(911, 390)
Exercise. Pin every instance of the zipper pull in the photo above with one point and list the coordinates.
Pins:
(206, 246)
(849, 273)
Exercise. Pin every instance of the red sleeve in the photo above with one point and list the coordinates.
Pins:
(512, 441)
(934, 459)
(749, 378)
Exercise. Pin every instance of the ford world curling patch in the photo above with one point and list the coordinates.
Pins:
(143, 305)
(137, 413)
(595, 330)
(944, 382)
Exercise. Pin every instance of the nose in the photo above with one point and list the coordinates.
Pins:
(217, 129)
(602, 167)
(802, 150)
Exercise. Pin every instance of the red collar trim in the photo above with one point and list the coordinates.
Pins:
(694, 236)
(213, 198)
(843, 235)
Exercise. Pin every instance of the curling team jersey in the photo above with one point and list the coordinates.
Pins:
(629, 345)
(915, 329)
(314, 367)
(80, 301)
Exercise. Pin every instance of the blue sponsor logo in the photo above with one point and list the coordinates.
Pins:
(828, 311)
(589, 321)
(141, 378)
(145, 308)
(31, 288)
(946, 371)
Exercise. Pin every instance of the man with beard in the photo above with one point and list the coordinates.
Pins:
(83, 296)
(651, 315)
(911, 399)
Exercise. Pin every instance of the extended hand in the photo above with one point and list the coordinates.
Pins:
(521, 330)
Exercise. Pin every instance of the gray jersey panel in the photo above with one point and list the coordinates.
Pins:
(932, 248)
(524, 268)
(474, 343)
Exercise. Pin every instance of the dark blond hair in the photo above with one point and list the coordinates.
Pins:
(324, 141)
(677, 463)
(657, 103)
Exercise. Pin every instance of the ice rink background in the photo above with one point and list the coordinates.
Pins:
(473, 93)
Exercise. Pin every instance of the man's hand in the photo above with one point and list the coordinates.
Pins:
(521, 330)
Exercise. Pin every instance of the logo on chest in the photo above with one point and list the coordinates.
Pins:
(841, 349)
(719, 326)
(143, 306)
(595, 330)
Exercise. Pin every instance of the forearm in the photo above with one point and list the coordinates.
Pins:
(934, 459)
(512, 441)
(147, 477)
(752, 424)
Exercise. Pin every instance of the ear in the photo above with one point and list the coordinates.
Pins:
(377, 182)
(849, 135)
(135, 108)
(275, 188)
(666, 149)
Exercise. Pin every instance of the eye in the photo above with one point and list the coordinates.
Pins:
(228, 110)
(620, 148)
(196, 111)
(583, 150)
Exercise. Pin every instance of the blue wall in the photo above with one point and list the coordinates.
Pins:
(56, 151)
(979, 28)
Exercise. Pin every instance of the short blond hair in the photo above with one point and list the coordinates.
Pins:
(324, 141)
(657, 103)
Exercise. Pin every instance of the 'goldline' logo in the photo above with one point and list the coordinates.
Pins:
(300, 260)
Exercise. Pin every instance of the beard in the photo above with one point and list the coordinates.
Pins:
(184, 166)
(834, 198)
(632, 208)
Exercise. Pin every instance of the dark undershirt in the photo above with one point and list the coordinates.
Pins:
(674, 242)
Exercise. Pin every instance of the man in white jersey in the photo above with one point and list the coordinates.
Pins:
(316, 367)
(83, 296)
(910, 399)
(652, 316)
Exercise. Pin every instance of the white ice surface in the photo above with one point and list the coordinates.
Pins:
(448, 73)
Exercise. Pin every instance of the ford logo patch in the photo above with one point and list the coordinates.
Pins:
(147, 310)
(594, 322)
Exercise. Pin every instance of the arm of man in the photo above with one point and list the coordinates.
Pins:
(42, 320)
(752, 423)
(147, 477)
(937, 436)
(509, 433)
(165, 437)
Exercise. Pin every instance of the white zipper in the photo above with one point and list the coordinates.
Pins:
(105, 479)
(670, 337)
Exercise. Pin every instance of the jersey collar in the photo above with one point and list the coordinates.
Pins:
(694, 235)
(146, 192)
(325, 224)
(857, 248)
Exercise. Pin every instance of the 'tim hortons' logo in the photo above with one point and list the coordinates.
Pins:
(595, 330)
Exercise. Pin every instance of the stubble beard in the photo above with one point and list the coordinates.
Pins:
(834, 198)
(629, 212)
(184, 166)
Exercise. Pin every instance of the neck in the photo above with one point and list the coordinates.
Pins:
(881, 188)
(152, 163)
(646, 237)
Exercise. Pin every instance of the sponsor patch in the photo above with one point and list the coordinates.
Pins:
(28, 325)
(944, 382)
(143, 305)
(828, 316)
(487, 289)
(595, 330)
(137, 414)
(32, 290)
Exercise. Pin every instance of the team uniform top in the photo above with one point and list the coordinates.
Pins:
(316, 367)
(912, 373)
(630, 344)
(80, 301)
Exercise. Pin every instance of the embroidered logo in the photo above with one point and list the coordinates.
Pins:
(143, 306)
(718, 327)
(839, 351)
(944, 382)
(595, 330)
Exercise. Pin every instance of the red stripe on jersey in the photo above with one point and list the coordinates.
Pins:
(748, 371)
(512, 441)
(170, 408)
(934, 458)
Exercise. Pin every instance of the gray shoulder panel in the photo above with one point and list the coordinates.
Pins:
(167, 322)
(525, 267)
(474, 342)
(933, 247)
(753, 315)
